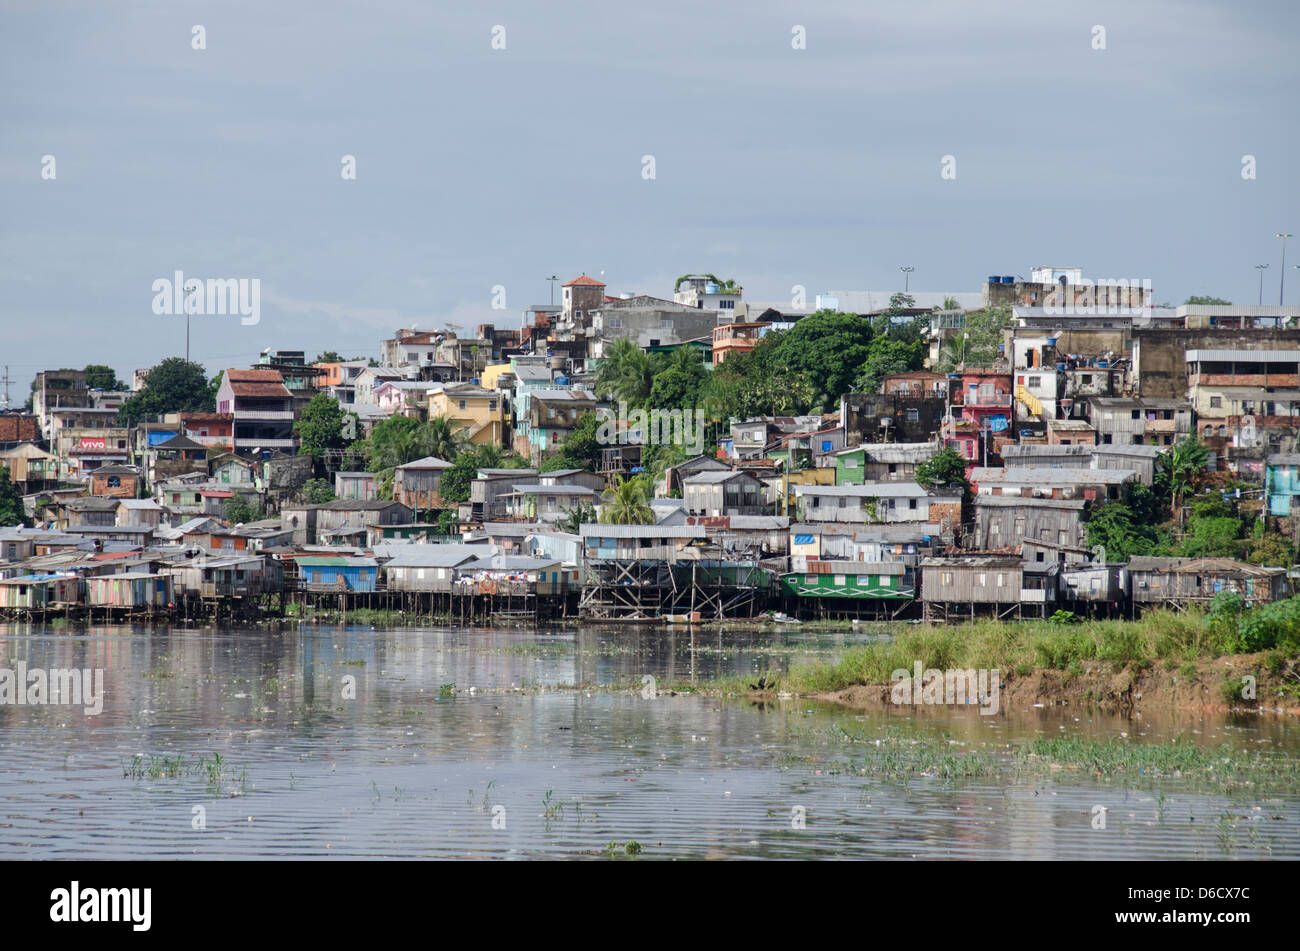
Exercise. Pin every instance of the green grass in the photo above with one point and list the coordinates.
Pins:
(1022, 646)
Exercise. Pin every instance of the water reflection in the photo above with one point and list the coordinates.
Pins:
(462, 743)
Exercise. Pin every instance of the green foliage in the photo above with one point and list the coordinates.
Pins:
(678, 384)
(448, 522)
(976, 344)
(100, 377)
(659, 458)
(401, 439)
(580, 449)
(1183, 463)
(627, 373)
(886, 356)
(824, 350)
(1207, 301)
(237, 510)
(584, 513)
(946, 467)
(1115, 527)
(627, 502)
(322, 426)
(1212, 537)
(11, 501)
(454, 485)
(173, 386)
(316, 492)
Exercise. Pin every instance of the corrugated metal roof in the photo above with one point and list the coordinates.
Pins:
(641, 531)
(1245, 356)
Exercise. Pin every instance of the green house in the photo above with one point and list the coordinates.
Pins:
(851, 579)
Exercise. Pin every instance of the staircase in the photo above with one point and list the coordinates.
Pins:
(1030, 401)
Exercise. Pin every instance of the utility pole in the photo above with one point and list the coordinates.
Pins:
(1281, 277)
(6, 386)
(907, 273)
(553, 278)
(1261, 268)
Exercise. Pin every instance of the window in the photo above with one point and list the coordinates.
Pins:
(983, 579)
(809, 579)
(839, 580)
(1002, 579)
(1216, 402)
(462, 404)
(114, 482)
(911, 503)
(1035, 382)
(946, 578)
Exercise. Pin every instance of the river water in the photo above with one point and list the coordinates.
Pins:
(515, 744)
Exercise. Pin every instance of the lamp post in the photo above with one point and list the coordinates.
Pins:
(1261, 268)
(188, 309)
(553, 278)
(907, 273)
(1281, 277)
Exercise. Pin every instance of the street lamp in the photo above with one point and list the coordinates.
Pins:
(907, 273)
(188, 310)
(1281, 277)
(1261, 268)
(552, 279)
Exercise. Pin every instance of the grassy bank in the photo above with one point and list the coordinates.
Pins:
(1159, 640)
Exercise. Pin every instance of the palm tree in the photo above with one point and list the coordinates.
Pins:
(626, 502)
(441, 437)
(626, 373)
(1183, 463)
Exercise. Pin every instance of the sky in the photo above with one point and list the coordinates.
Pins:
(482, 171)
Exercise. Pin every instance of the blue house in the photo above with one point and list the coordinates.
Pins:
(337, 573)
(1281, 483)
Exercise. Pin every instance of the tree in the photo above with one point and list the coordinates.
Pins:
(454, 484)
(584, 513)
(238, 510)
(627, 373)
(884, 357)
(100, 377)
(1212, 536)
(1183, 464)
(329, 356)
(11, 501)
(823, 351)
(581, 448)
(626, 502)
(976, 345)
(322, 426)
(442, 437)
(173, 386)
(1114, 527)
(1207, 301)
(946, 467)
(316, 492)
(678, 384)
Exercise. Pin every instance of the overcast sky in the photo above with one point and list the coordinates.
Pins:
(479, 167)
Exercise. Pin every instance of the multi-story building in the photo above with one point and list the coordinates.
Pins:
(478, 412)
(1153, 422)
(736, 338)
(262, 407)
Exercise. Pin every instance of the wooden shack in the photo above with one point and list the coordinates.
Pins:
(1179, 582)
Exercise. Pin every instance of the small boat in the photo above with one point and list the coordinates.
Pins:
(781, 618)
(692, 618)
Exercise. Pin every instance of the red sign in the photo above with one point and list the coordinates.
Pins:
(88, 442)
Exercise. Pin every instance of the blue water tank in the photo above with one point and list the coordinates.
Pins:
(1008, 279)
(993, 279)
(710, 288)
(561, 379)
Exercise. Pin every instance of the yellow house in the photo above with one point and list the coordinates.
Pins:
(477, 410)
(493, 374)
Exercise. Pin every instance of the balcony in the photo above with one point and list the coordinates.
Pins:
(269, 414)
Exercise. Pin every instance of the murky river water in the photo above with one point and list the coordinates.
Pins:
(394, 765)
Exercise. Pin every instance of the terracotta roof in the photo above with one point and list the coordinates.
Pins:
(257, 383)
(207, 417)
(255, 376)
(583, 281)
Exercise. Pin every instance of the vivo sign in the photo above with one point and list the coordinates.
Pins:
(93, 443)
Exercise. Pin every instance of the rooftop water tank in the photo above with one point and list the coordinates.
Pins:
(1008, 279)
(710, 288)
(561, 380)
(993, 279)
